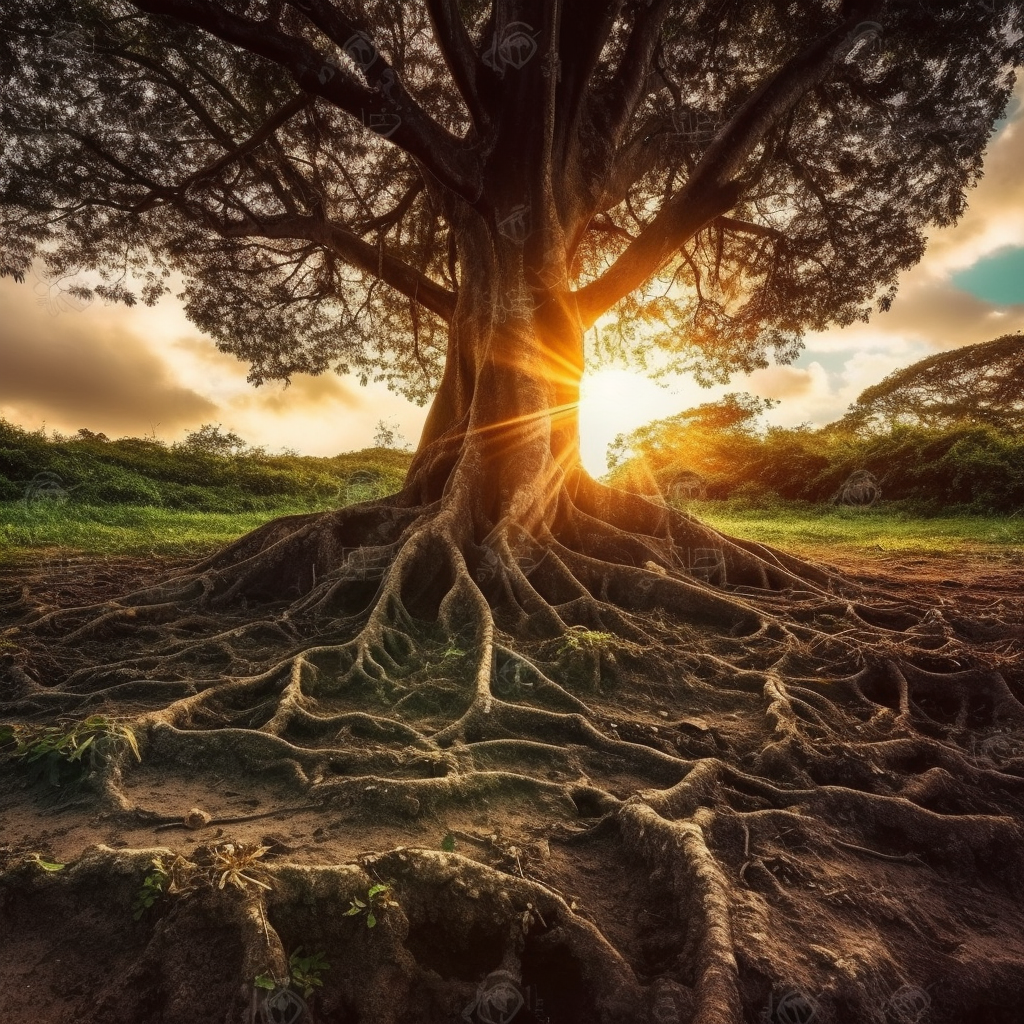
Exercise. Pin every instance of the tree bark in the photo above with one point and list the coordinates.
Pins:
(504, 425)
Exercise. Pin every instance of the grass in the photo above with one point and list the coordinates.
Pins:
(889, 528)
(143, 530)
(122, 529)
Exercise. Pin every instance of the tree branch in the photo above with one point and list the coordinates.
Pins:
(603, 223)
(592, 21)
(292, 107)
(467, 70)
(372, 259)
(393, 216)
(446, 156)
(712, 191)
(748, 228)
(628, 87)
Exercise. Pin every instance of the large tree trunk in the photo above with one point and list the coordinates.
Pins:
(506, 412)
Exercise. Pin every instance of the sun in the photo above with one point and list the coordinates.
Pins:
(616, 401)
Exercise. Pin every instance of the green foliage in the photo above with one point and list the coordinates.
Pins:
(306, 970)
(212, 440)
(969, 467)
(378, 899)
(661, 440)
(975, 384)
(68, 752)
(153, 887)
(448, 843)
(577, 640)
(303, 974)
(945, 432)
(211, 471)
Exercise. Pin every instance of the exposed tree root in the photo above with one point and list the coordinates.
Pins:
(832, 789)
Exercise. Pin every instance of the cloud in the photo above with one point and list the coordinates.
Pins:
(931, 317)
(787, 381)
(995, 214)
(304, 392)
(71, 370)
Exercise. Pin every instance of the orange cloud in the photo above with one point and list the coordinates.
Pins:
(71, 371)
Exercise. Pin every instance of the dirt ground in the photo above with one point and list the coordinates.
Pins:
(802, 893)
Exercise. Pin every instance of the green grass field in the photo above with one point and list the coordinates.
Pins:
(139, 530)
(887, 528)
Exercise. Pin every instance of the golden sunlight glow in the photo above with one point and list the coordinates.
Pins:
(614, 402)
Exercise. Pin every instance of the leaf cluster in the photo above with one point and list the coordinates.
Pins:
(153, 887)
(378, 899)
(68, 752)
(305, 971)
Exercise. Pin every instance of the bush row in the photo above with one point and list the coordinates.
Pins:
(968, 466)
(136, 471)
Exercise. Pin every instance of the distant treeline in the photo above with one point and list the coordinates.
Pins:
(976, 467)
(211, 471)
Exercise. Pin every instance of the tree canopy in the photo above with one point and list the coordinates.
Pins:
(717, 178)
(981, 383)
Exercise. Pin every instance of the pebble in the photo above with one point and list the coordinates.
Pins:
(540, 849)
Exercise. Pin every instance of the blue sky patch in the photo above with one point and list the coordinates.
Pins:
(998, 278)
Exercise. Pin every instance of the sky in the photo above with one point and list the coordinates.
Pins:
(148, 372)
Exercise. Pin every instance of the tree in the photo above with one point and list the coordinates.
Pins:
(211, 439)
(703, 440)
(447, 195)
(981, 383)
(387, 436)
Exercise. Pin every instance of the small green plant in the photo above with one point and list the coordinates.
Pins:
(447, 659)
(584, 640)
(153, 887)
(303, 974)
(69, 751)
(306, 970)
(453, 652)
(46, 865)
(448, 843)
(378, 899)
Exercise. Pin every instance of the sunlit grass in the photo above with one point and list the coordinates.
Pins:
(885, 529)
(140, 530)
(123, 529)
